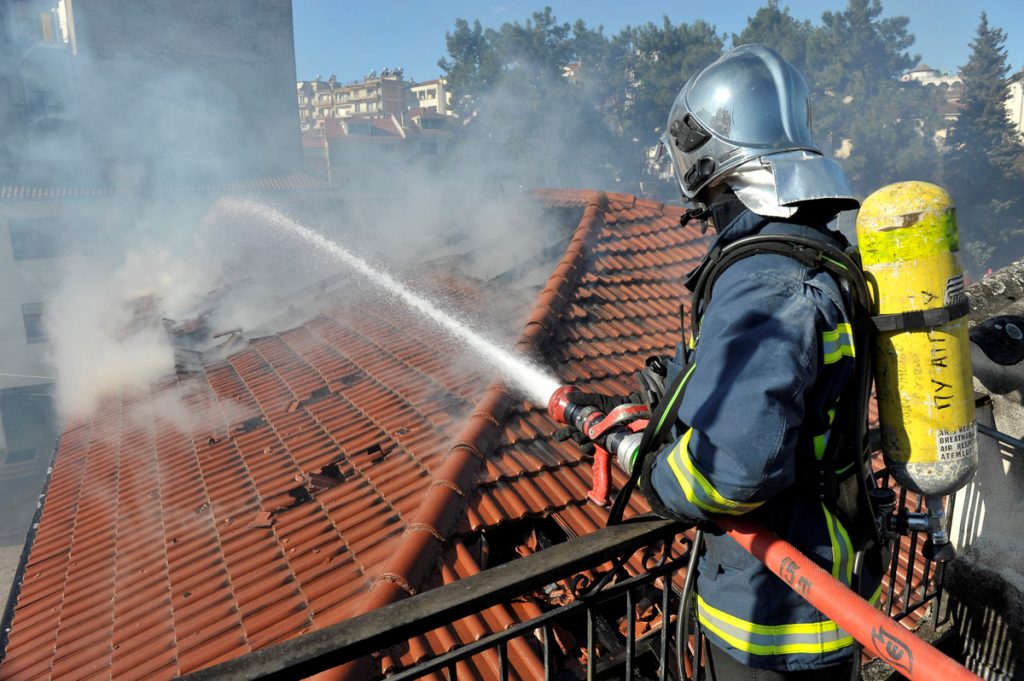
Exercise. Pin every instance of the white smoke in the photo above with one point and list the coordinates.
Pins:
(105, 329)
(463, 210)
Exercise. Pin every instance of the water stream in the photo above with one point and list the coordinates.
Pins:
(527, 376)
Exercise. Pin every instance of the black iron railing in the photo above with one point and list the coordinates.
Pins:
(656, 541)
(612, 649)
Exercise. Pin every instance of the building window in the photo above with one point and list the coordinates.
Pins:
(32, 315)
(37, 238)
(20, 455)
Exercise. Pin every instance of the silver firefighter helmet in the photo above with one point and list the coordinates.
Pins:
(747, 106)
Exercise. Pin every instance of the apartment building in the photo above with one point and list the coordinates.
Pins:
(146, 93)
(38, 109)
(39, 230)
(322, 100)
(431, 95)
(1015, 102)
(104, 107)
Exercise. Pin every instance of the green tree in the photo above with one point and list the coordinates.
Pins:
(530, 123)
(880, 129)
(472, 66)
(658, 61)
(980, 167)
(777, 29)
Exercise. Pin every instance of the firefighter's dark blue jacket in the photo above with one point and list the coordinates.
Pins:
(772, 355)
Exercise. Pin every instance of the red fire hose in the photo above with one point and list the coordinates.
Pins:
(893, 643)
(905, 652)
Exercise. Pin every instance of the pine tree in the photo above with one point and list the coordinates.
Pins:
(473, 66)
(534, 125)
(659, 59)
(880, 129)
(980, 170)
(777, 29)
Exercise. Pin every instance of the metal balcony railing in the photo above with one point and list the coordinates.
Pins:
(396, 623)
(612, 648)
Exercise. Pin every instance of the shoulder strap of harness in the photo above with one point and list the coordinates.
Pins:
(847, 451)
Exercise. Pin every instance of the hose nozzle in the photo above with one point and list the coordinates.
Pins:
(559, 404)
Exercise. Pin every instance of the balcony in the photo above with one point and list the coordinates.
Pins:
(594, 567)
(616, 587)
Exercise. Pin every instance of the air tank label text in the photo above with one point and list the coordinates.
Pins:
(956, 444)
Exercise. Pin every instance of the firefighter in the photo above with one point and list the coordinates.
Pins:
(769, 361)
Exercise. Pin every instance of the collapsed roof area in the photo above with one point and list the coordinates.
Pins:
(322, 472)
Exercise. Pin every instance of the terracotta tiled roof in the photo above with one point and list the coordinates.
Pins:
(327, 470)
(285, 182)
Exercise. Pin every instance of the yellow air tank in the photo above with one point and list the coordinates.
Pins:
(909, 244)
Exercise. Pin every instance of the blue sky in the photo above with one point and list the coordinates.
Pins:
(349, 38)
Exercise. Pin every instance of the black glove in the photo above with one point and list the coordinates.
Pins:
(605, 403)
(582, 441)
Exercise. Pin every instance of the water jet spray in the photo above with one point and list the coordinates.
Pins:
(527, 376)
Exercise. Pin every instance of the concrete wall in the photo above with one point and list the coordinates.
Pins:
(189, 92)
(1015, 105)
(28, 423)
(986, 581)
(29, 280)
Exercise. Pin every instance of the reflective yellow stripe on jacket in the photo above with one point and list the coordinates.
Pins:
(781, 639)
(842, 548)
(697, 489)
(837, 343)
(821, 441)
